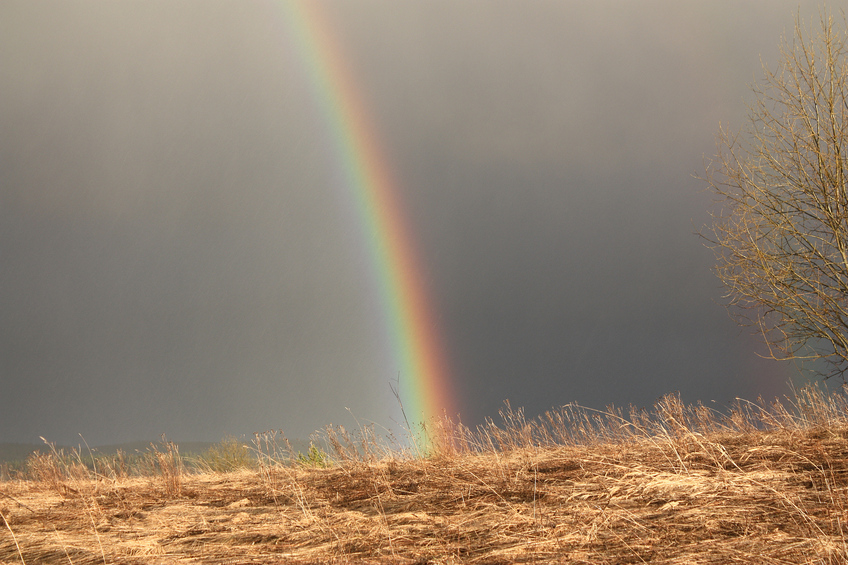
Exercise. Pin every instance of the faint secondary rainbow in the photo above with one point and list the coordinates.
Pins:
(421, 364)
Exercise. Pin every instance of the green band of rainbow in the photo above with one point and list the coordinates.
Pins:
(421, 363)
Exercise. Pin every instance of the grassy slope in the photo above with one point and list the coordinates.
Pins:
(678, 485)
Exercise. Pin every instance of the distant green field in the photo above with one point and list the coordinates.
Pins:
(15, 452)
(18, 452)
(10, 452)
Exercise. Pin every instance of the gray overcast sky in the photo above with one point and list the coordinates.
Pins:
(176, 256)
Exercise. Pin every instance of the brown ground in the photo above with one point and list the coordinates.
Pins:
(728, 494)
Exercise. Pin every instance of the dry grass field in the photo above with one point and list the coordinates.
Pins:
(766, 484)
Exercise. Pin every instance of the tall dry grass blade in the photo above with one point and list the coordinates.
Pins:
(14, 538)
(96, 533)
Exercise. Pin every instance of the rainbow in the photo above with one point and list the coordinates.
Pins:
(421, 364)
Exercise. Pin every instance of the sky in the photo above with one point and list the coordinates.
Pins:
(179, 256)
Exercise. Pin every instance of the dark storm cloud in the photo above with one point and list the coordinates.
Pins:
(551, 164)
(173, 255)
(177, 255)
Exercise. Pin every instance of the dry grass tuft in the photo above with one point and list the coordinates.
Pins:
(767, 483)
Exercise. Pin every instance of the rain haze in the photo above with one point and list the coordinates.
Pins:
(178, 256)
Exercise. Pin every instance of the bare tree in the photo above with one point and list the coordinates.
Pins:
(781, 232)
